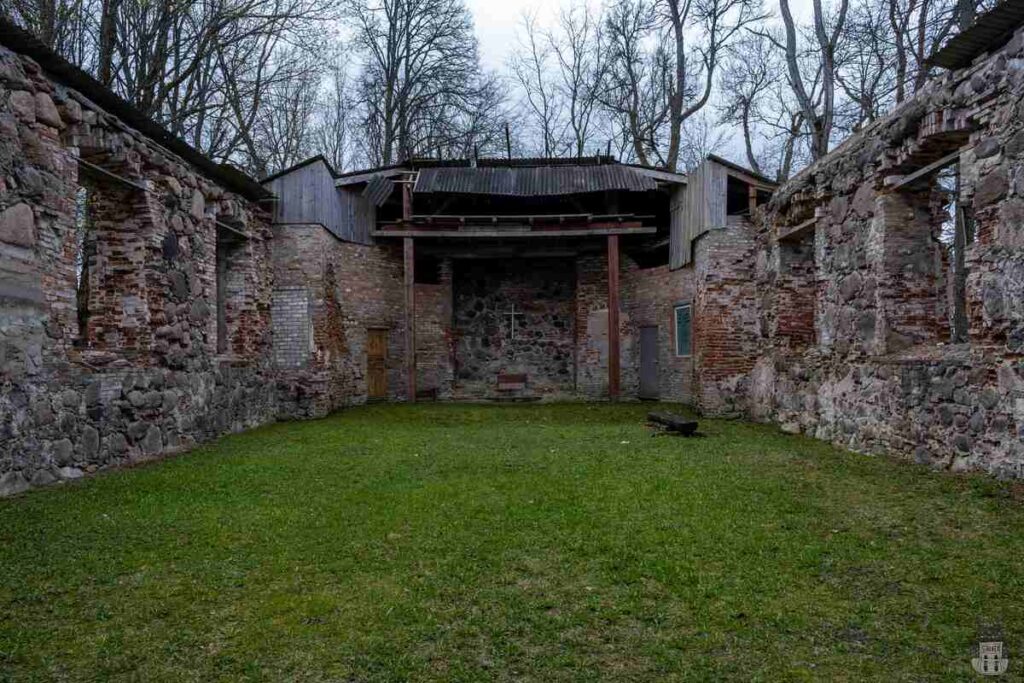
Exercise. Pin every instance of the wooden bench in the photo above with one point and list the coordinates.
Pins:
(510, 382)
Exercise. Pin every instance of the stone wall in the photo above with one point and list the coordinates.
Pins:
(142, 358)
(542, 292)
(878, 372)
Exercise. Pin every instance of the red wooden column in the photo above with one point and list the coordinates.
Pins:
(410, 296)
(613, 317)
(410, 319)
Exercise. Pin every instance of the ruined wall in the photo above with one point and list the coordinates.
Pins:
(542, 291)
(649, 298)
(155, 365)
(726, 327)
(435, 339)
(878, 373)
(338, 290)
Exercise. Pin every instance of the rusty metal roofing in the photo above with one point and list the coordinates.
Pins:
(378, 190)
(533, 181)
(989, 31)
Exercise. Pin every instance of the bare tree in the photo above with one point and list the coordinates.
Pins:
(531, 67)
(578, 46)
(420, 64)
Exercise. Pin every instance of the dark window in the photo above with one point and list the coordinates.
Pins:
(230, 284)
(85, 252)
(684, 331)
(427, 270)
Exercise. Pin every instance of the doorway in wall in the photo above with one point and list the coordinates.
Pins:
(649, 363)
(376, 364)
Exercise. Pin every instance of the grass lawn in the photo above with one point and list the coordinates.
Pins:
(445, 542)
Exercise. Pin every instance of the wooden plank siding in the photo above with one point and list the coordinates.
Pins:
(702, 208)
(308, 195)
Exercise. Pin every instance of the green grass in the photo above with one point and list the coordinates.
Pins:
(444, 542)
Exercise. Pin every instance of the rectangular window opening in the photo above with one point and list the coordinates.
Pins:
(684, 329)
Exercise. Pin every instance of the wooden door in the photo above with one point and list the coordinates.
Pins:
(649, 363)
(376, 364)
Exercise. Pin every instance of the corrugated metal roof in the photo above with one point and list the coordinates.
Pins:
(989, 31)
(378, 190)
(533, 181)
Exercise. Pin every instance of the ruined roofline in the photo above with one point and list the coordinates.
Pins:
(911, 108)
(24, 43)
(989, 32)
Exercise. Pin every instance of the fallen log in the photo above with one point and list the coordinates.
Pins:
(673, 423)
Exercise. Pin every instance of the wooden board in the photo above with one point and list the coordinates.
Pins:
(376, 364)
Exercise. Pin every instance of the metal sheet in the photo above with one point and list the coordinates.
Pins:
(533, 182)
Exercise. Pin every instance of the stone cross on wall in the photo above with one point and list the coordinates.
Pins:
(512, 316)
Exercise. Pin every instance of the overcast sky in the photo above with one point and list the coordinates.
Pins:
(497, 21)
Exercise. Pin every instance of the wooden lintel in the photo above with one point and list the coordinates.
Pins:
(600, 232)
(613, 317)
(797, 230)
(112, 176)
(229, 228)
(410, 318)
(898, 182)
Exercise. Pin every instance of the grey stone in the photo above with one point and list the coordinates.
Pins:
(12, 484)
(991, 188)
(70, 473)
(116, 443)
(153, 443)
(169, 246)
(46, 111)
(43, 478)
(986, 148)
(1015, 146)
(90, 442)
(63, 451)
(962, 443)
(69, 398)
(23, 105)
(137, 399)
(989, 398)
(18, 226)
(199, 311)
(198, 206)
(137, 430)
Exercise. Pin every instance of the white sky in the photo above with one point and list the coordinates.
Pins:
(497, 21)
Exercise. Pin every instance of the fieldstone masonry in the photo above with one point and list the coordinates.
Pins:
(148, 304)
(877, 371)
(135, 371)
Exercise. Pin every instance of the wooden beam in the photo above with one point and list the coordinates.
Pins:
(751, 199)
(410, 318)
(898, 182)
(597, 232)
(797, 230)
(406, 203)
(366, 177)
(111, 175)
(613, 317)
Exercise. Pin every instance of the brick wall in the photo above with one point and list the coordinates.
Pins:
(350, 288)
(649, 298)
(726, 324)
